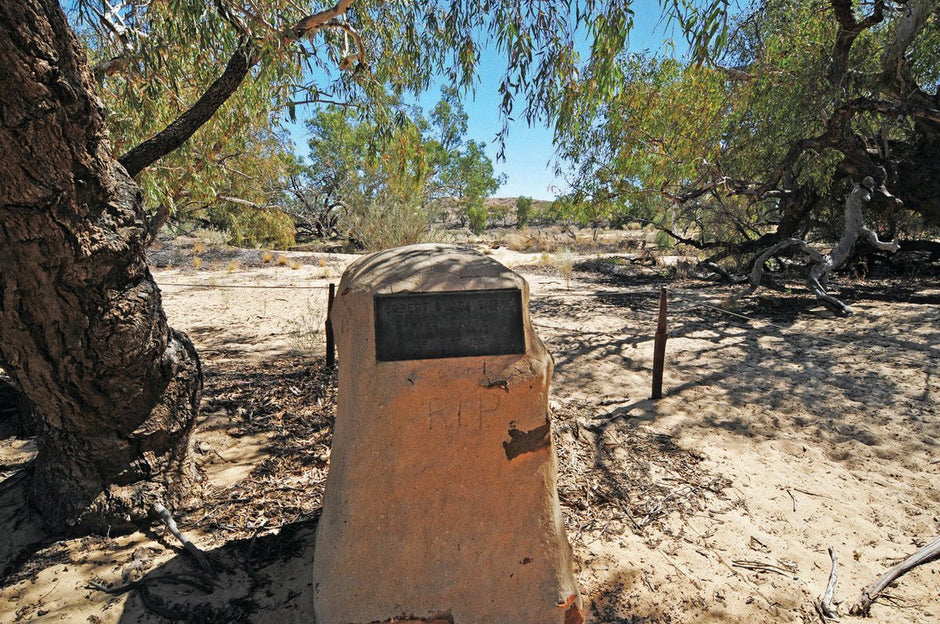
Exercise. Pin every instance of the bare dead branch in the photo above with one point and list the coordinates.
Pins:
(824, 603)
(170, 523)
(928, 553)
(250, 204)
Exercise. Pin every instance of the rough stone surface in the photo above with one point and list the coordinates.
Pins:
(441, 502)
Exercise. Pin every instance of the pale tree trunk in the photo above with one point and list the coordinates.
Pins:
(821, 266)
(82, 329)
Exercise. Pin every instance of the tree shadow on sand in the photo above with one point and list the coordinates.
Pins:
(257, 579)
(781, 356)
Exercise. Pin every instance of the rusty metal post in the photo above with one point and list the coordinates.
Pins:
(330, 343)
(659, 348)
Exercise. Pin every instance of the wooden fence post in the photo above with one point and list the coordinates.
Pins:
(330, 344)
(659, 348)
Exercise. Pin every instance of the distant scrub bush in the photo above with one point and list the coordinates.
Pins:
(253, 228)
(564, 264)
(476, 215)
(523, 211)
(385, 222)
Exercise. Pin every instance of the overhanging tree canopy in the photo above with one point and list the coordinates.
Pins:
(807, 97)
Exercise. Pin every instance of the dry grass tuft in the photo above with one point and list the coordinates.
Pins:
(520, 241)
(307, 334)
(564, 264)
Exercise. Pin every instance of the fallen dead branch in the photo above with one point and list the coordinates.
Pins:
(178, 579)
(824, 603)
(170, 523)
(154, 603)
(926, 554)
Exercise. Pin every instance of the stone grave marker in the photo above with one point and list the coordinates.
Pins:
(441, 501)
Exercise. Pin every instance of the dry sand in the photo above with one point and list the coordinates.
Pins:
(783, 431)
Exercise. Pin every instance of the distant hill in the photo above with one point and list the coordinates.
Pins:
(501, 209)
(495, 202)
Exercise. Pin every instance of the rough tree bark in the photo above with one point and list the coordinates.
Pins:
(82, 330)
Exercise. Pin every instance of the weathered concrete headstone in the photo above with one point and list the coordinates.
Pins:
(441, 502)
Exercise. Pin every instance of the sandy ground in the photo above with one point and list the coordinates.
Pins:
(783, 431)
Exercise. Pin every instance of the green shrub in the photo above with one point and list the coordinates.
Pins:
(254, 227)
(476, 214)
(523, 211)
(663, 240)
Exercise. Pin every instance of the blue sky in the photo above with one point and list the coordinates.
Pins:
(529, 153)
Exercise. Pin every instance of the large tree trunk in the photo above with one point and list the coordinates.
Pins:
(82, 329)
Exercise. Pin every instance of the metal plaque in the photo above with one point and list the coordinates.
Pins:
(464, 323)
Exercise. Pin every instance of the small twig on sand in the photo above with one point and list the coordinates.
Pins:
(170, 523)
(824, 603)
(792, 498)
(808, 493)
(925, 555)
(759, 566)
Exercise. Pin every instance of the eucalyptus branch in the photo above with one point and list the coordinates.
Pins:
(254, 17)
(119, 30)
(360, 57)
(237, 172)
(320, 101)
(896, 71)
(309, 25)
(849, 30)
(250, 204)
(736, 73)
(174, 135)
(235, 21)
(732, 186)
(244, 58)
(110, 67)
(837, 134)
